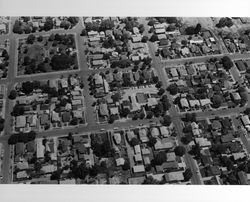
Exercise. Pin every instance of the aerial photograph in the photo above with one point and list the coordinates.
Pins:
(125, 100)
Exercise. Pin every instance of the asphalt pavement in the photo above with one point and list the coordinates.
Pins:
(83, 71)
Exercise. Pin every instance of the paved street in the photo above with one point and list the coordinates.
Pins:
(84, 72)
(174, 114)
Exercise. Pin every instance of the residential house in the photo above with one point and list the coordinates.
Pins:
(216, 125)
(138, 168)
(241, 66)
(19, 148)
(174, 176)
(236, 97)
(103, 110)
(163, 144)
(160, 31)
(44, 119)
(40, 149)
(184, 103)
(155, 132)
(120, 161)
(143, 135)
(20, 121)
(66, 117)
(245, 120)
(164, 131)
(203, 142)
(98, 80)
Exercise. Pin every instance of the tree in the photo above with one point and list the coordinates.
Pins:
(41, 67)
(226, 161)
(247, 111)
(197, 29)
(148, 168)
(141, 28)
(151, 180)
(165, 102)
(135, 117)
(55, 175)
(173, 89)
(144, 39)
(190, 30)
(227, 62)
(244, 98)
(49, 24)
(17, 110)
(112, 118)
(2, 120)
(219, 148)
(61, 62)
(151, 22)
(150, 115)
(63, 102)
(51, 37)
(187, 174)
(31, 135)
(74, 121)
(241, 89)
(186, 139)
(184, 42)
(5, 55)
(106, 24)
(142, 115)
(152, 141)
(154, 38)
(161, 91)
(196, 151)
(160, 158)
(37, 166)
(179, 150)
(116, 97)
(27, 87)
(17, 27)
(171, 20)
(155, 79)
(223, 22)
(1, 124)
(40, 38)
(30, 39)
(134, 141)
(93, 171)
(159, 84)
(217, 101)
(167, 120)
(126, 165)
(12, 95)
(70, 136)
(13, 139)
(125, 112)
(84, 32)
(190, 117)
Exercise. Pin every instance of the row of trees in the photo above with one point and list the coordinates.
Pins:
(49, 24)
(193, 30)
(96, 26)
(225, 22)
(21, 137)
(1, 124)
